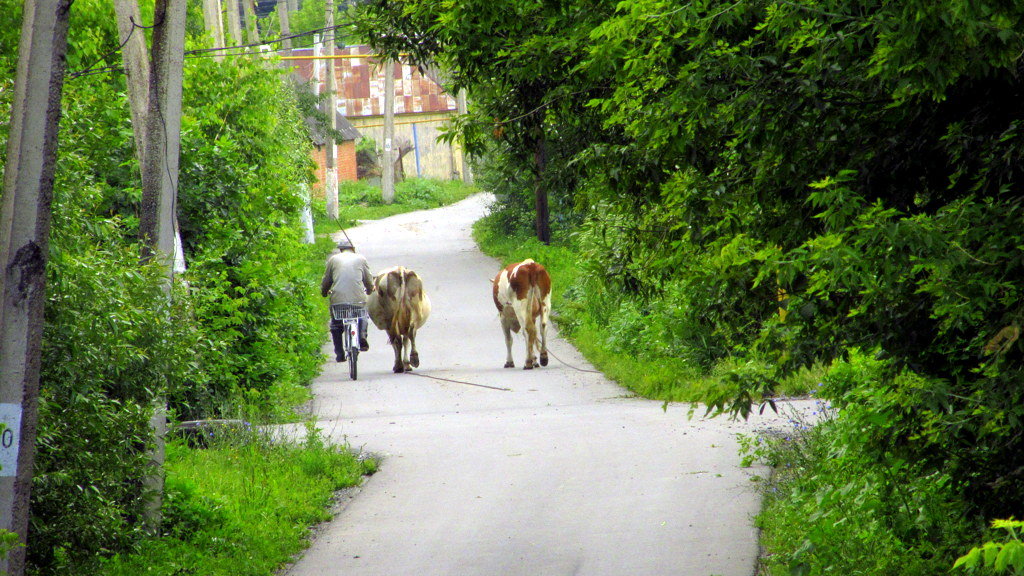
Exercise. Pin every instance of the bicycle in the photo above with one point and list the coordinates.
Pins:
(349, 317)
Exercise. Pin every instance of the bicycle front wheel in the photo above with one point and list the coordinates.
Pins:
(353, 355)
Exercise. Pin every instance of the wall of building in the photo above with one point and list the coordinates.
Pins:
(435, 159)
(345, 162)
(421, 109)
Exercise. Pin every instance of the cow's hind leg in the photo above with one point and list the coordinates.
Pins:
(406, 361)
(508, 325)
(531, 345)
(396, 343)
(414, 356)
(543, 340)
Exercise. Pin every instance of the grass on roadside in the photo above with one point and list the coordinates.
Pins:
(363, 201)
(242, 507)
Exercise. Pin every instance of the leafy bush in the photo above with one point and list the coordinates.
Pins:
(836, 504)
(854, 164)
(110, 349)
(417, 192)
(186, 513)
(367, 158)
(998, 557)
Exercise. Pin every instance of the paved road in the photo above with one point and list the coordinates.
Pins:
(566, 473)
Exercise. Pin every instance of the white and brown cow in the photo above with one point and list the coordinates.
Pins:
(399, 306)
(522, 293)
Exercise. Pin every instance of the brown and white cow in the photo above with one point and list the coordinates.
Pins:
(522, 293)
(399, 306)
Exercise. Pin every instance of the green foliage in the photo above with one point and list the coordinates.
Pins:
(187, 514)
(109, 349)
(835, 503)
(998, 557)
(367, 158)
(244, 159)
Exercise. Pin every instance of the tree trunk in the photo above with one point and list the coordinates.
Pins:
(462, 105)
(250, 21)
(399, 171)
(24, 246)
(133, 54)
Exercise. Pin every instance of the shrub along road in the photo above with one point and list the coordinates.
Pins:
(565, 473)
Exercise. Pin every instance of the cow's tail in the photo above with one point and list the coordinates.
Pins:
(400, 319)
(534, 305)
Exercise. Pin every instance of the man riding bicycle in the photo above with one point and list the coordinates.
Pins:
(347, 281)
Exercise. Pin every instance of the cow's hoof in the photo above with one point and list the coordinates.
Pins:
(510, 364)
(414, 360)
(398, 369)
(544, 360)
(529, 366)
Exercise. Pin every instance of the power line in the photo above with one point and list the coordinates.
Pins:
(200, 52)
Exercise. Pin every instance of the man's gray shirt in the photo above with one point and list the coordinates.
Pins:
(347, 278)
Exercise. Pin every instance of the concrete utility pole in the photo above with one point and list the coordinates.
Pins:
(25, 216)
(214, 25)
(137, 69)
(160, 185)
(234, 22)
(133, 54)
(387, 180)
(286, 27)
(330, 150)
(136, 65)
(250, 21)
(462, 106)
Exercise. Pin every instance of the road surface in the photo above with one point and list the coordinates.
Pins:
(564, 473)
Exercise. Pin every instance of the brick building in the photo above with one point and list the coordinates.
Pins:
(345, 152)
(421, 108)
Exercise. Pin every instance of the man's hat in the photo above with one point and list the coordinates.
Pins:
(345, 244)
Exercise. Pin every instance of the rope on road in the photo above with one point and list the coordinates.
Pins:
(458, 381)
(552, 354)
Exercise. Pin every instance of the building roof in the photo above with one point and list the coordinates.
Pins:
(360, 84)
(348, 131)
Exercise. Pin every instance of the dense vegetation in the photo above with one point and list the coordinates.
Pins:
(757, 187)
(241, 336)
